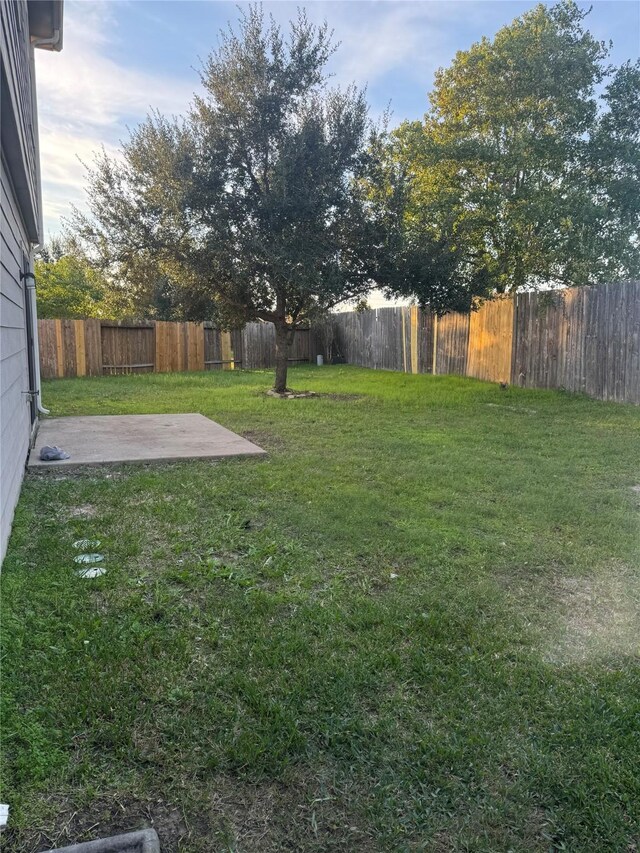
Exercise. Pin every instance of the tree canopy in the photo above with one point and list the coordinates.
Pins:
(274, 199)
(69, 286)
(519, 163)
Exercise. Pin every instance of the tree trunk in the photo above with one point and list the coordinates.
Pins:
(283, 342)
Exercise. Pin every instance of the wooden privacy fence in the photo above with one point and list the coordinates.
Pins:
(583, 339)
(97, 347)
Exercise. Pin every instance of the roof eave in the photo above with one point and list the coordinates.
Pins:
(45, 23)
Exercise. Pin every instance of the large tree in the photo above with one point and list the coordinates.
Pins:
(274, 199)
(520, 163)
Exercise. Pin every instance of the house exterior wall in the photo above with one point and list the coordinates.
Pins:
(19, 125)
(19, 229)
(15, 420)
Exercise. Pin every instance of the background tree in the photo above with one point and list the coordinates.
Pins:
(517, 167)
(69, 286)
(265, 202)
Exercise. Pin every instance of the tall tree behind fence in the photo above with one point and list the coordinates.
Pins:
(97, 347)
(583, 339)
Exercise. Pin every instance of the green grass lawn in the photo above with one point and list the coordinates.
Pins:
(413, 626)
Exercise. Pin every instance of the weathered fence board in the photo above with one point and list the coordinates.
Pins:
(127, 349)
(585, 339)
(377, 338)
(259, 344)
(425, 331)
(47, 347)
(212, 349)
(387, 338)
(68, 347)
(632, 347)
(81, 357)
(259, 341)
(222, 350)
(93, 347)
(491, 341)
(451, 343)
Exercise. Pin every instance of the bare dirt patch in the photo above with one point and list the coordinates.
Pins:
(599, 616)
(264, 439)
(83, 511)
(104, 817)
(223, 813)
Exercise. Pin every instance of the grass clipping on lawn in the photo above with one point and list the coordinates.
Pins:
(412, 627)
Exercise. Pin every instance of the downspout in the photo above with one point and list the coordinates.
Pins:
(30, 279)
(48, 43)
(30, 286)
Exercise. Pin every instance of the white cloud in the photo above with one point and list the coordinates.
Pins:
(62, 155)
(377, 38)
(402, 36)
(86, 100)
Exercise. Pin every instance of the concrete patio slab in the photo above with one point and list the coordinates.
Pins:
(104, 439)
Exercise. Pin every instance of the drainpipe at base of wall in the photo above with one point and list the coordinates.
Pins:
(30, 282)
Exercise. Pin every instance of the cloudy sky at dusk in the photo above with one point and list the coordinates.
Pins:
(123, 57)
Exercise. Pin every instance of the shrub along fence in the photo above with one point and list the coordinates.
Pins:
(584, 339)
(99, 347)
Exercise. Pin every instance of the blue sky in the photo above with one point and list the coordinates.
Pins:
(122, 57)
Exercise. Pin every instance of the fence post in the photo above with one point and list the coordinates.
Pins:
(414, 338)
(93, 347)
(403, 312)
(227, 351)
(434, 369)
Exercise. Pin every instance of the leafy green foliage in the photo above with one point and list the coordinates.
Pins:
(250, 201)
(69, 286)
(265, 202)
(71, 283)
(518, 167)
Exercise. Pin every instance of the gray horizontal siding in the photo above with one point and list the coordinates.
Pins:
(11, 313)
(12, 225)
(15, 426)
(17, 107)
(12, 341)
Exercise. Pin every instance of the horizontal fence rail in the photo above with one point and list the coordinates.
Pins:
(584, 339)
(96, 347)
